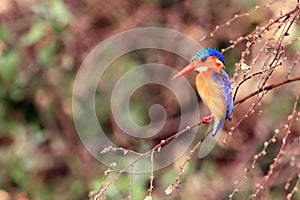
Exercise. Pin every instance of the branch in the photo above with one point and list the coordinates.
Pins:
(266, 88)
(276, 159)
(249, 77)
(97, 195)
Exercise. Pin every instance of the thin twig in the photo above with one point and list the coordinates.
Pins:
(276, 159)
(266, 88)
(143, 155)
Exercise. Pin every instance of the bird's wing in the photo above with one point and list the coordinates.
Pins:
(216, 86)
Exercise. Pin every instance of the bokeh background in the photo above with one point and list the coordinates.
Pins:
(42, 45)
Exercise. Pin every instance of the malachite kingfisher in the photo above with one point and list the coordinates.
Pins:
(214, 88)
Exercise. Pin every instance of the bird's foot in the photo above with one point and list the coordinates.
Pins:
(207, 119)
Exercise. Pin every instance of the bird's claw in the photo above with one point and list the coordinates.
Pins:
(207, 119)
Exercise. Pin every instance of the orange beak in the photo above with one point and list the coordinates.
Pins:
(197, 63)
(185, 70)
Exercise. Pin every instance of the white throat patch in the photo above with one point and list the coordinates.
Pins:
(201, 69)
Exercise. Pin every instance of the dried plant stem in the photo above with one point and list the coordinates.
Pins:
(266, 88)
(247, 78)
(265, 28)
(151, 176)
(130, 183)
(294, 190)
(234, 18)
(187, 159)
(263, 153)
(254, 160)
(143, 155)
(276, 159)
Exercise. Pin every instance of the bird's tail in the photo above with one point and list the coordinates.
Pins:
(212, 136)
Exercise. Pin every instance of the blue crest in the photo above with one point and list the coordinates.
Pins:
(207, 52)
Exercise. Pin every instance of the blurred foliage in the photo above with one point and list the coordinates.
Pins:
(42, 44)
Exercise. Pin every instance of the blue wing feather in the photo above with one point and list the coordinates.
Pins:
(228, 95)
(217, 128)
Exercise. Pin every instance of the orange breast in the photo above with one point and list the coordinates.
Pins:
(211, 94)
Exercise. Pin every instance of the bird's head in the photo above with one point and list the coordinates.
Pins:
(202, 61)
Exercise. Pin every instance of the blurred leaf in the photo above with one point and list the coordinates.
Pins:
(297, 194)
(46, 55)
(35, 33)
(67, 62)
(17, 92)
(59, 12)
(5, 34)
(8, 66)
(209, 168)
(53, 10)
(139, 112)
(16, 174)
(2, 111)
(167, 176)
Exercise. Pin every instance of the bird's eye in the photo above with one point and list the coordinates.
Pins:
(203, 59)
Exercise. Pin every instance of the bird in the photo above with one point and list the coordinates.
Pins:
(214, 88)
